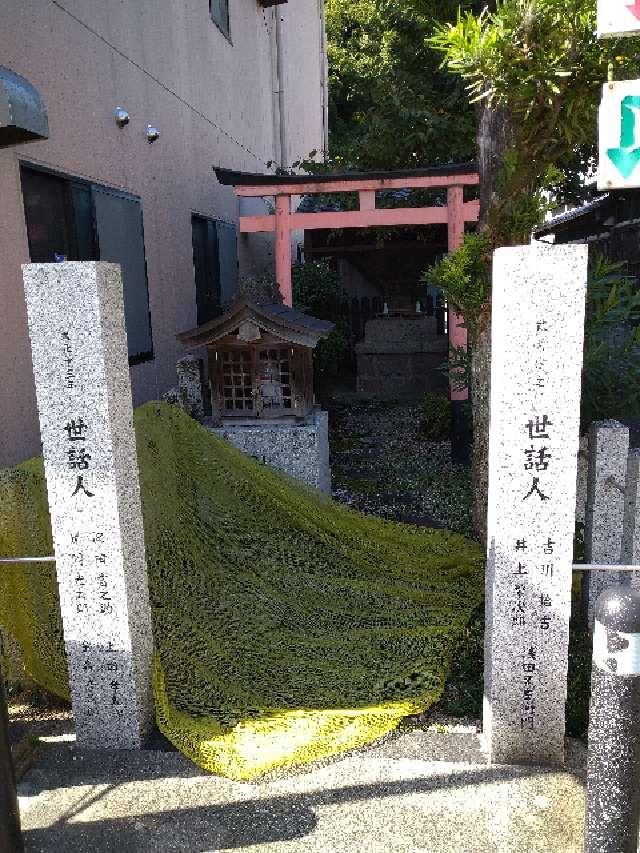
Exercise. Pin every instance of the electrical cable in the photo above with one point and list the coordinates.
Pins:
(158, 82)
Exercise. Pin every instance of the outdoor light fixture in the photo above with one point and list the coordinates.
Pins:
(121, 116)
(152, 133)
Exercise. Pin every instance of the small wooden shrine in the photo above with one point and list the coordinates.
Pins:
(260, 361)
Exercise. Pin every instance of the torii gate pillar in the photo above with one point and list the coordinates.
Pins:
(461, 438)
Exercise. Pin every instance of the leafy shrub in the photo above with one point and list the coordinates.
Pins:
(457, 368)
(611, 372)
(328, 357)
(462, 696)
(436, 417)
(260, 289)
(316, 288)
(462, 275)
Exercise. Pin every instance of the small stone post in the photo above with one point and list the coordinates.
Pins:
(583, 473)
(189, 370)
(537, 339)
(604, 518)
(80, 363)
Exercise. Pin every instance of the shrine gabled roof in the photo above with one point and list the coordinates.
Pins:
(570, 215)
(230, 178)
(283, 322)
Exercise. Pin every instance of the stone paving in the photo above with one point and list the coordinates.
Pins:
(418, 792)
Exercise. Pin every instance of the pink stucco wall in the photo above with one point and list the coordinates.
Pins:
(213, 101)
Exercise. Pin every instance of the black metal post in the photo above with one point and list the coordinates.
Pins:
(613, 772)
(10, 834)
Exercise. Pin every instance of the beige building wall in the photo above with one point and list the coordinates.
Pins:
(216, 102)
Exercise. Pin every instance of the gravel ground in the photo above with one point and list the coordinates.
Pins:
(381, 466)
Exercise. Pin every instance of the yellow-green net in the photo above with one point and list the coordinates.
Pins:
(287, 627)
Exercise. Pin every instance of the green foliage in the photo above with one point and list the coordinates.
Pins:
(611, 373)
(540, 59)
(535, 69)
(435, 417)
(260, 289)
(539, 62)
(458, 368)
(328, 357)
(391, 106)
(524, 198)
(316, 288)
(463, 276)
(463, 691)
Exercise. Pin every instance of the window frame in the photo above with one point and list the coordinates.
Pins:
(227, 284)
(149, 355)
(71, 180)
(217, 310)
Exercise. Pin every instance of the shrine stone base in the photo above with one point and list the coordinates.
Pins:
(299, 450)
(401, 357)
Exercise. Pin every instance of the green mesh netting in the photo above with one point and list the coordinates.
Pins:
(287, 627)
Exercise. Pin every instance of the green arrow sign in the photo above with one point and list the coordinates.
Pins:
(627, 156)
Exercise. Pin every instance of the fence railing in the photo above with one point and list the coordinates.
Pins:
(354, 312)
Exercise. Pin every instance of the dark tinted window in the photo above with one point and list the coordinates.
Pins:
(58, 216)
(121, 241)
(206, 268)
(215, 265)
(69, 219)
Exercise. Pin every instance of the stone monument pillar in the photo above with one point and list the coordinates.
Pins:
(604, 516)
(538, 326)
(80, 363)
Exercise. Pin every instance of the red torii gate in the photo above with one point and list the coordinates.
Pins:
(456, 212)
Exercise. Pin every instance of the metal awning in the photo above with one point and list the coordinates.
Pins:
(23, 117)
